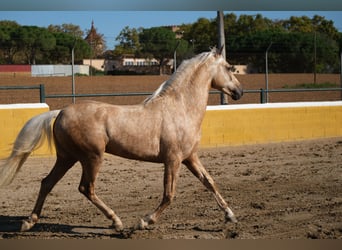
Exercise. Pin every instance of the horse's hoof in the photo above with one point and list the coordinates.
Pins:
(118, 227)
(231, 219)
(141, 225)
(26, 225)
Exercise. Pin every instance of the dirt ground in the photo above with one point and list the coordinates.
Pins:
(278, 191)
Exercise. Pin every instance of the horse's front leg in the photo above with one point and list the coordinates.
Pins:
(195, 166)
(171, 173)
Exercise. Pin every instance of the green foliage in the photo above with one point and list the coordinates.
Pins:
(161, 43)
(158, 42)
(293, 43)
(32, 44)
(7, 43)
(64, 44)
(67, 28)
(128, 41)
(202, 35)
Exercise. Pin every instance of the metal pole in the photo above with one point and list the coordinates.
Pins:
(42, 93)
(73, 75)
(341, 72)
(315, 57)
(262, 96)
(266, 71)
(221, 42)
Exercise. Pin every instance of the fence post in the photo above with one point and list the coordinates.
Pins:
(262, 95)
(42, 93)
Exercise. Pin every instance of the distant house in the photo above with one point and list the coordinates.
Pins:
(96, 41)
(131, 60)
(128, 64)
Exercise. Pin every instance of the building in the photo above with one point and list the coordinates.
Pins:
(129, 64)
(96, 41)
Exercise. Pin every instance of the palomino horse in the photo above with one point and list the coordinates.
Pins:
(165, 128)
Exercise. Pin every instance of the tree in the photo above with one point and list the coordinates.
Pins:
(68, 36)
(34, 42)
(82, 50)
(128, 41)
(299, 24)
(8, 45)
(316, 24)
(160, 43)
(64, 44)
(292, 40)
(67, 28)
(202, 35)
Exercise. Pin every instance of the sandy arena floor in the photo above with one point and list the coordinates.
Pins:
(277, 191)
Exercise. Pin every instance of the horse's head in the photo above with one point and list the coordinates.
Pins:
(223, 77)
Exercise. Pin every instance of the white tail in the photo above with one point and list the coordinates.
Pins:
(29, 138)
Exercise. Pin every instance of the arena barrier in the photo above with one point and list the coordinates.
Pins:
(274, 122)
(222, 126)
(12, 119)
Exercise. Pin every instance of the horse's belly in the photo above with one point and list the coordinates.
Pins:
(144, 150)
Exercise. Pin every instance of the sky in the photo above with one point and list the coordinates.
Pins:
(110, 23)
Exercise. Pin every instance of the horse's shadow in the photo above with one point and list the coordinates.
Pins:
(12, 224)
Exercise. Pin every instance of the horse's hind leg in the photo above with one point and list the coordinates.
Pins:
(60, 168)
(87, 187)
(195, 166)
(171, 173)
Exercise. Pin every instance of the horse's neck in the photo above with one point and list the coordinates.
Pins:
(198, 90)
(191, 95)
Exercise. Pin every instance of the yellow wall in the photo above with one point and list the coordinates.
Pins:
(222, 125)
(263, 123)
(12, 119)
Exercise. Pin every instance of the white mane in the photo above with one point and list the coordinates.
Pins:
(183, 74)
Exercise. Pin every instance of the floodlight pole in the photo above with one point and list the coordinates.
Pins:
(73, 75)
(341, 71)
(221, 42)
(315, 58)
(266, 71)
(72, 72)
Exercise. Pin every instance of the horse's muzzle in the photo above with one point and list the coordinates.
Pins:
(237, 94)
